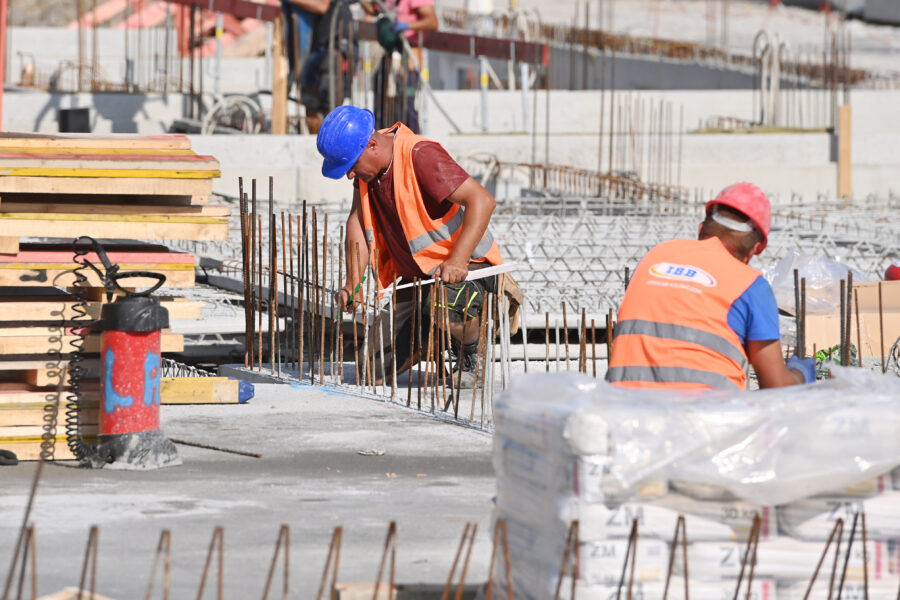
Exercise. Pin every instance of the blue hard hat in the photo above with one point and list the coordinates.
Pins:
(343, 137)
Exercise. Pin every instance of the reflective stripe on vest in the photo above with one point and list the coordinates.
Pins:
(658, 374)
(673, 321)
(438, 235)
(430, 240)
(446, 232)
(683, 334)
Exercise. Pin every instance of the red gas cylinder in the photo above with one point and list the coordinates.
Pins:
(131, 374)
(893, 272)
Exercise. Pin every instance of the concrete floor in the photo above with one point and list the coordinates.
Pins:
(432, 478)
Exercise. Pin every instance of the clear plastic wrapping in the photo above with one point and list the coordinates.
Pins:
(823, 277)
(767, 447)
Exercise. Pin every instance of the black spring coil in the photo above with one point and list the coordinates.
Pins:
(51, 399)
(74, 397)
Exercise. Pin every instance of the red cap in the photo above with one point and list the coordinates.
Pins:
(750, 200)
(893, 272)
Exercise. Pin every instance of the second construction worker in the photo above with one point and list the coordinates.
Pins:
(695, 314)
(422, 216)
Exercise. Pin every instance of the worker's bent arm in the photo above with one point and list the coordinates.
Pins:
(319, 7)
(370, 8)
(765, 356)
(427, 20)
(479, 205)
(355, 239)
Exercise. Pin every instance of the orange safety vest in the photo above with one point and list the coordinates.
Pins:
(673, 331)
(430, 240)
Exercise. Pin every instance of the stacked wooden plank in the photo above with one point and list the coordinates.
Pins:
(111, 188)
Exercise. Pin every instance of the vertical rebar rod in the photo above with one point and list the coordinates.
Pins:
(259, 253)
(858, 330)
(244, 274)
(355, 260)
(314, 296)
(843, 322)
(609, 334)
(797, 315)
(413, 349)
(547, 342)
(802, 335)
(479, 364)
(273, 292)
(302, 243)
(881, 328)
(419, 346)
(524, 326)
(582, 352)
(338, 315)
(292, 308)
(393, 313)
(848, 320)
(428, 361)
(253, 298)
(322, 316)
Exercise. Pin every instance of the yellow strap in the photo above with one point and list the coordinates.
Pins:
(34, 439)
(161, 152)
(114, 218)
(71, 266)
(113, 173)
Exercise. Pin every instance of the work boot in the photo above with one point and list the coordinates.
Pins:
(465, 365)
(8, 458)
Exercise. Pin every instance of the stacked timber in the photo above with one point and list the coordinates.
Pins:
(115, 189)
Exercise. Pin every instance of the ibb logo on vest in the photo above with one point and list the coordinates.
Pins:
(683, 273)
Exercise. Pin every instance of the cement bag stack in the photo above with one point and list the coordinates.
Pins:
(567, 447)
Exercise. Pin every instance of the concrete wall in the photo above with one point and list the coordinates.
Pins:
(780, 163)
(883, 11)
(631, 72)
(29, 110)
(49, 48)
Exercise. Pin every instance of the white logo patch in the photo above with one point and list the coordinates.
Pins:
(688, 273)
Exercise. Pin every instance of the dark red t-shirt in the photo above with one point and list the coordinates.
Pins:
(438, 176)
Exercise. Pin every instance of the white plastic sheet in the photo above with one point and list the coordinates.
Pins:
(762, 589)
(814, 518)
(823, 277)
(767, 447)
(852, 590)
(656, 518)
(787, 559)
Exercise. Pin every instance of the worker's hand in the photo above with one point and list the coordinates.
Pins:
(400, 26)
(343, 298)
(806, 367)
(451, 271)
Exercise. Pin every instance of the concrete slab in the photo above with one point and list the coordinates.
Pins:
(431, 479)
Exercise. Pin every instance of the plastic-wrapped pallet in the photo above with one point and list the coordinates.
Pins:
(789, 560)
(761, 589)
(656, 517)
(852, 590)
(814, 518)
(568, 447)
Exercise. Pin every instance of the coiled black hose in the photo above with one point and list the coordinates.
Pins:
(82, 323)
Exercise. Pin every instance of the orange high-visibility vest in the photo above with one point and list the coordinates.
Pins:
(430, 240)
(672, 329)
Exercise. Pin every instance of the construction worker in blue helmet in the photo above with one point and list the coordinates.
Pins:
(416, 215)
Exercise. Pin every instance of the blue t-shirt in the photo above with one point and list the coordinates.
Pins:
(754, 315)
